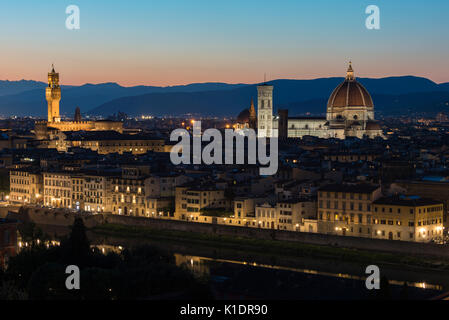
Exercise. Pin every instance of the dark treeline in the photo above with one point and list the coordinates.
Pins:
(38, 272)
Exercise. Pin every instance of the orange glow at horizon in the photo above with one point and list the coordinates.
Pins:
(131, 74)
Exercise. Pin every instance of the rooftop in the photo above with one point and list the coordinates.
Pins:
(307, 118)
(350, 188)
(408, 201)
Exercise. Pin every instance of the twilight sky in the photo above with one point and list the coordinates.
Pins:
(169, 42)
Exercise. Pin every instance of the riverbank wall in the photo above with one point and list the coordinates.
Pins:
(54, 217)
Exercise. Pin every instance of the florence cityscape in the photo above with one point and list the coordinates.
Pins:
(241, 153)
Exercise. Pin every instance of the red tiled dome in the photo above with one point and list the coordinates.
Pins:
(350, 93)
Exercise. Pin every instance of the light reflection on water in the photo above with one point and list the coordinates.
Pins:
(199, 265)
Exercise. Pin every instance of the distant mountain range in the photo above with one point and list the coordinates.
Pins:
(392, 95)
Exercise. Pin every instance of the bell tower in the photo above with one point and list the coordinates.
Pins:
(53, 96)
(264, 110)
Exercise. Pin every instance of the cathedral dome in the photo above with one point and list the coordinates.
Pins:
(350, 93)
(243, 116)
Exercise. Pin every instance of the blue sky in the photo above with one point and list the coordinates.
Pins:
(174, 42)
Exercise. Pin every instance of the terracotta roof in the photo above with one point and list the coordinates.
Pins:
(350, 93)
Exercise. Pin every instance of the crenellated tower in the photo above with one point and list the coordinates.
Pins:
(53, 96)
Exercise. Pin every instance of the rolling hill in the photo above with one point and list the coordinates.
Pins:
(299, 96)
(391, 95)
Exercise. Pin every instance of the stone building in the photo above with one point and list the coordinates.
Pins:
(430, 189)
(407, 218)
(105, 142)
(128, 196)
(346, 209)
(288, 214)
(26, 186)
(362, 211)
(193, 201)
(54, 122)
(96, 193)
(58, 189)
(350, 113)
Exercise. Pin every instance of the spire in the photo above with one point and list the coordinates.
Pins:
(252, 116)
(252, 110)
(53, 68)
(350, 72)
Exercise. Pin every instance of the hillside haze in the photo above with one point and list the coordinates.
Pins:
(392, 95)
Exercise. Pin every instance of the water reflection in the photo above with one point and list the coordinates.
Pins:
(201, 266)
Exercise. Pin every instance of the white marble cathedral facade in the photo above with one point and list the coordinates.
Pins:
(350, 113)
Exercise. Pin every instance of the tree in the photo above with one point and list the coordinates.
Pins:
(30, 232)
(76, 248)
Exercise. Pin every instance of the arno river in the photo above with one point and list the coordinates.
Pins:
(234, 274)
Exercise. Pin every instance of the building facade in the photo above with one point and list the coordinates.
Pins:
(350, 113)
(265, 111)
(407, 218)
(347, 209)
(53, 97)
(26, 186)
(194, 201)
(58, 189)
